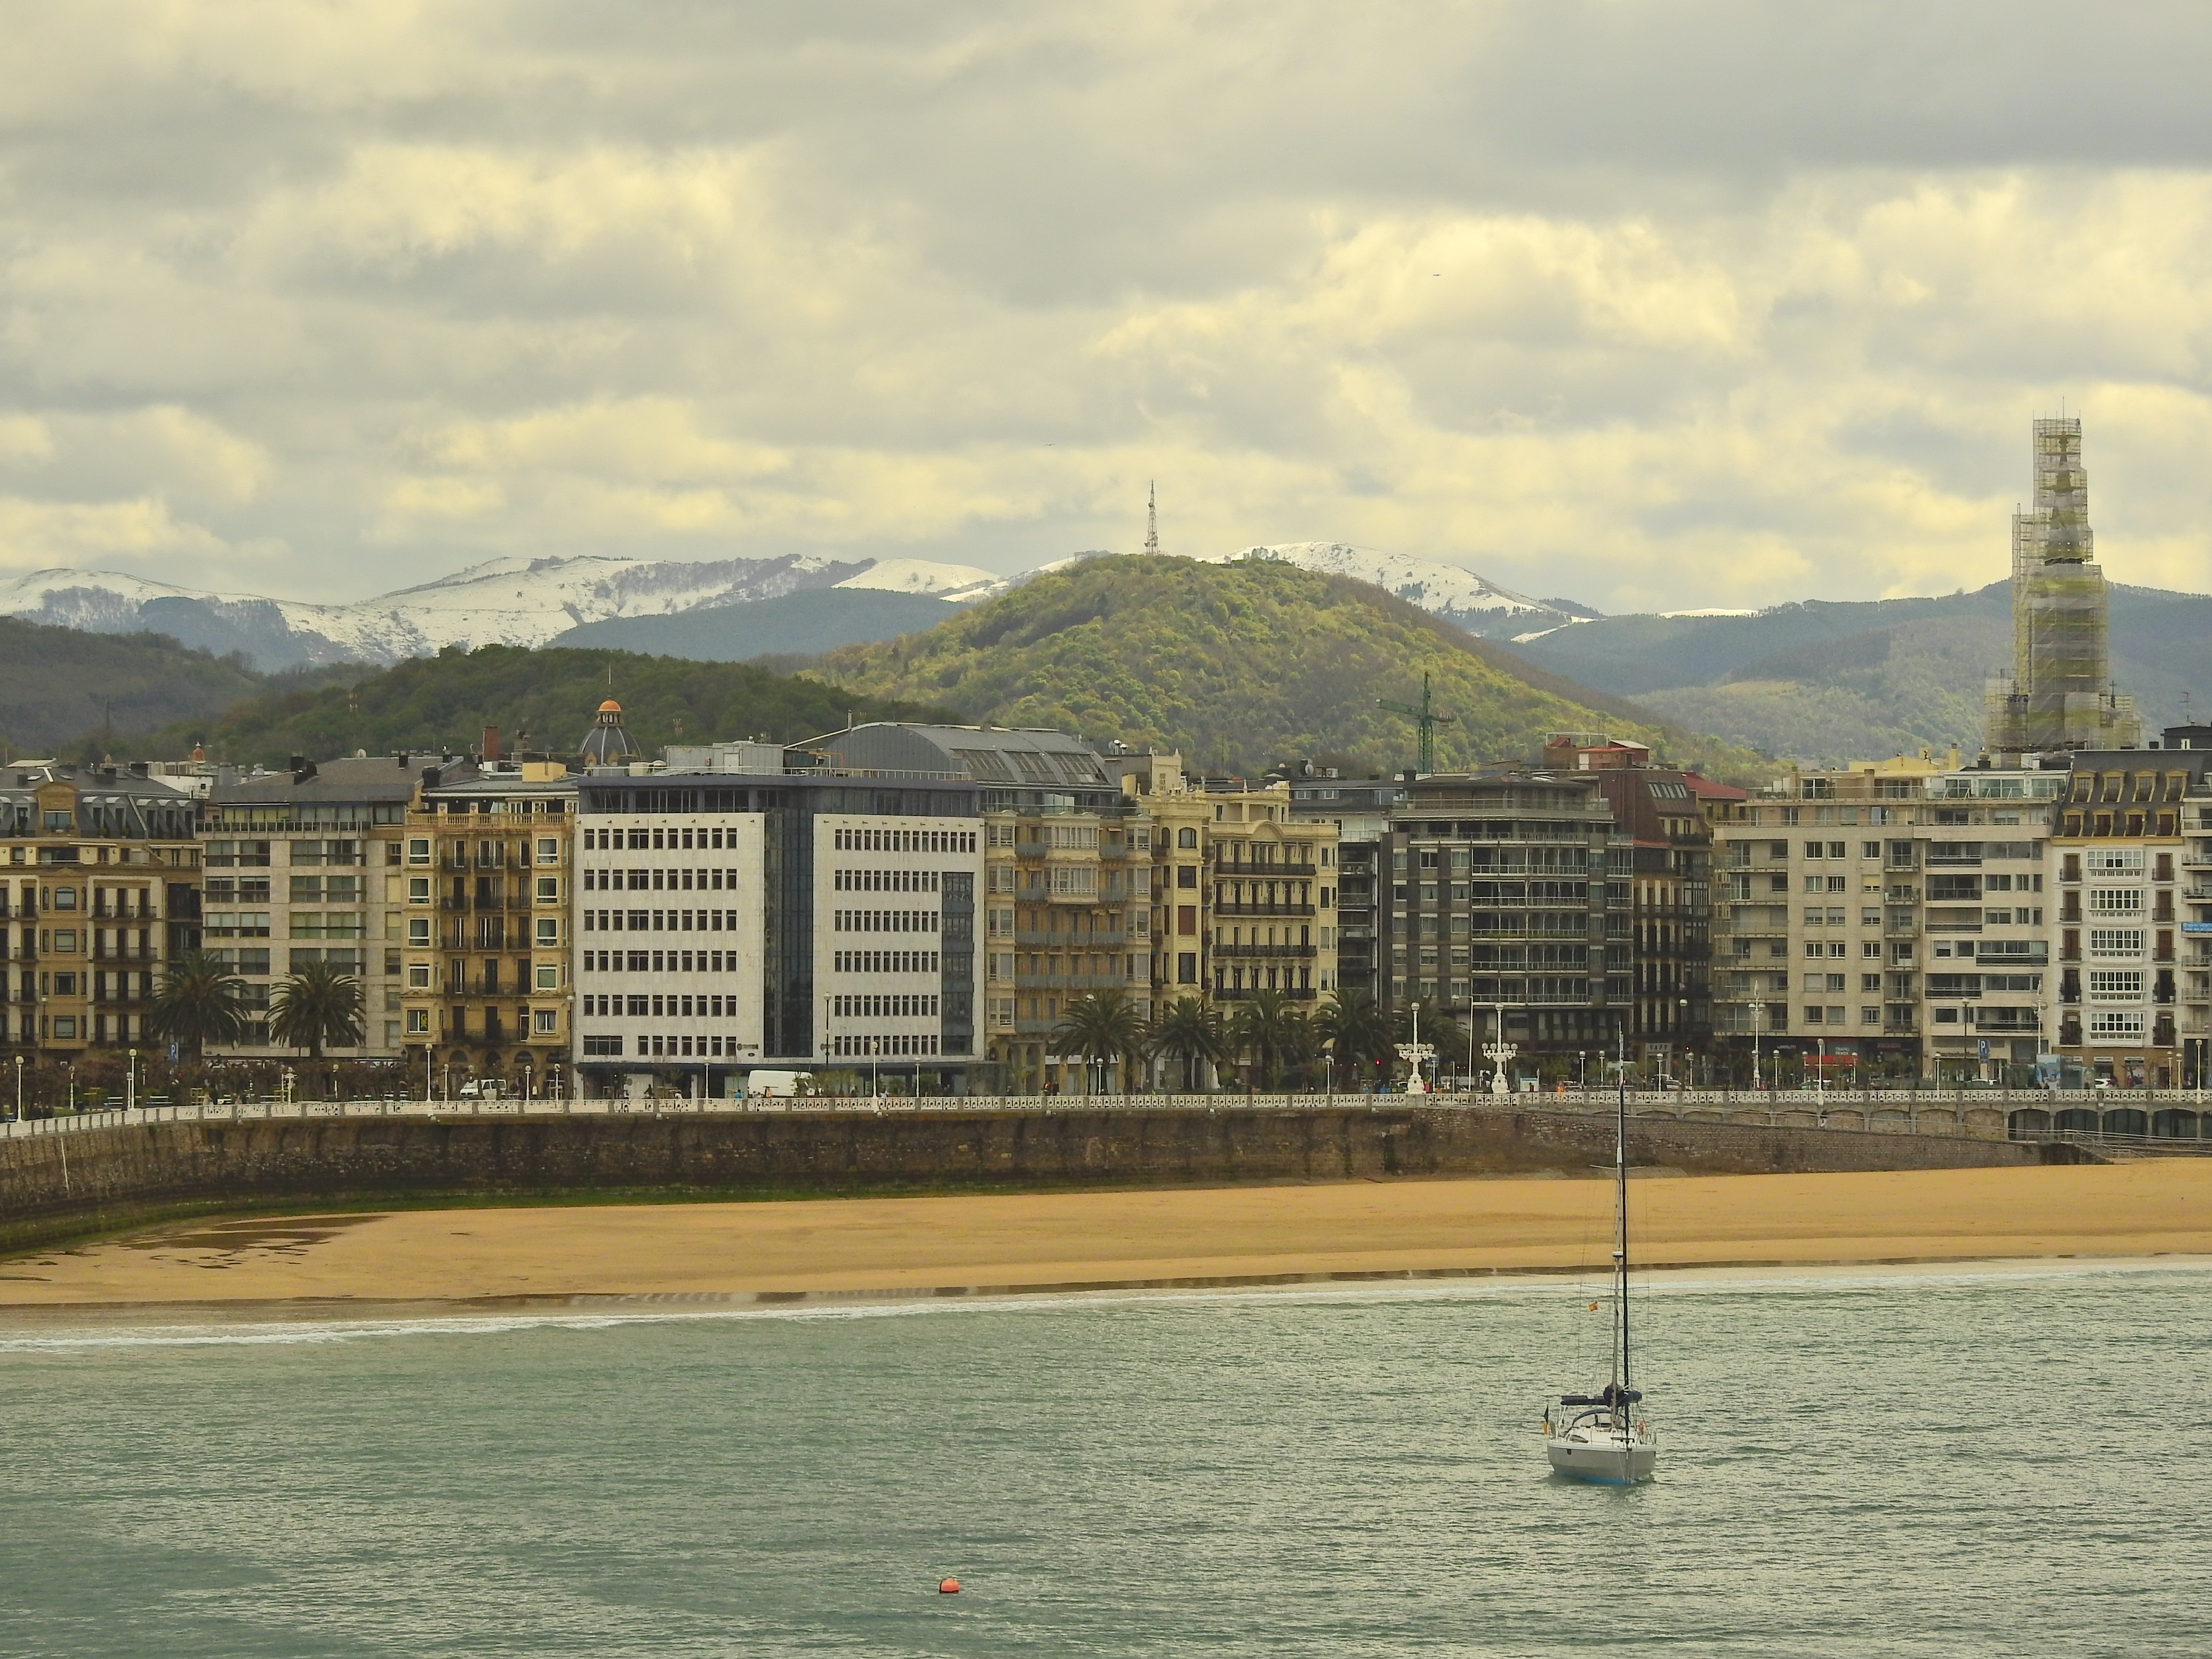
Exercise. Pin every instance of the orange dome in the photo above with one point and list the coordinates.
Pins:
(611, 707)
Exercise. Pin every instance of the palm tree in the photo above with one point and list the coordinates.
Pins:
(197, 1004)
(319, 1004)
(1272, 1032)
(1191, 1032)
(1356, 1033)
(1099, 1026)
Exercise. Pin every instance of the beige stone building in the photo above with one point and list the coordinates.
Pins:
(483, 921)
(99, 890)
(1243, 893)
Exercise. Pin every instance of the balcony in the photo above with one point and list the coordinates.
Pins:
(1266, 871)
(1298, 952)
(1263, 910)
(1296, 994)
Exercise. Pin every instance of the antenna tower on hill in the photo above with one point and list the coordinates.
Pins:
(1151, 517)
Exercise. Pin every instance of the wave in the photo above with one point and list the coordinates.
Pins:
(618, 1312)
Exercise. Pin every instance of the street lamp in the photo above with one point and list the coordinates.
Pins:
(130, 1081)
(1500, 1054)
(19, 1088)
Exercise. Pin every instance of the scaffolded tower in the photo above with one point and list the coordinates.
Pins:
(2059, 694)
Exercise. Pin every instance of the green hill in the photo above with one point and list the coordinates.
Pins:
(57, 684)
(1242, 664)
(539, 700)
(804, 623)
(1836, 682)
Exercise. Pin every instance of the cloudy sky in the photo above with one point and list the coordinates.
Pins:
(1648, 305)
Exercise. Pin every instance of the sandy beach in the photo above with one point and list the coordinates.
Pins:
(1098, 1239)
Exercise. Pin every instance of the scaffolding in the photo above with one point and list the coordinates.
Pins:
(2058, 696)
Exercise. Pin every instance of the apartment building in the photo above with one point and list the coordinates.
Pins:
(1981, 845)
(1243, 890)
(2133, 1004)
(489, 992)
(1504, 896)
(1067, 878)
(1359, 811)
(823, 918)
(1662, 813)
(99, 888)
(307, 865)
(1887, 918)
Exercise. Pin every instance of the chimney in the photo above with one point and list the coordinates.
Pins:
(404, 759)
(491, 745)
(430, 776)
(302, 768)
(138, 768)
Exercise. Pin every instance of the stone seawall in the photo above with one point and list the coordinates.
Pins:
(55, 1187)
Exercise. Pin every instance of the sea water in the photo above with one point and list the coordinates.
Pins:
(1978, 1461)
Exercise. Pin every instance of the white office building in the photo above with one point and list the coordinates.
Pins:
(810, 921)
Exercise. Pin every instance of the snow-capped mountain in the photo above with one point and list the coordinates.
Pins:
(513, 601)
(920, 576)
(529, 602)
(1452, 591)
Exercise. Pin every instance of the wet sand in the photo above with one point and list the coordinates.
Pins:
(1058, 1240)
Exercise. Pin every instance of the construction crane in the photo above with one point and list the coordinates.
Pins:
(1426, 719)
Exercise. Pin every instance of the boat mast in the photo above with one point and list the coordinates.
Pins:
(1620, 1214)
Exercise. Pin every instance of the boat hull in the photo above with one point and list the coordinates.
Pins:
(1604, 1463)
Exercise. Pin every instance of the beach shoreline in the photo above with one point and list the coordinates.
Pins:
(813, 1251)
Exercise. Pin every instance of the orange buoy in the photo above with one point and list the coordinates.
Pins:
(948, 1586)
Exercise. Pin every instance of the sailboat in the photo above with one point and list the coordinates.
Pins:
(1605, 1437)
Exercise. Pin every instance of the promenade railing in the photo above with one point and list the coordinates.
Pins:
(2158, 1118)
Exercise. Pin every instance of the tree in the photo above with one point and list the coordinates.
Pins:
(1356, 1034)
(1100, 1026)
(319, 1005)
(197, 1004)
(1272, 1033)
(1191, 1032)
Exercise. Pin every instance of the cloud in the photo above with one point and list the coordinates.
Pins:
(35, 534)
(1701, 304)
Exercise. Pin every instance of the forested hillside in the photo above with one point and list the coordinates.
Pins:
(541, 699)
(61, 689)
(1241, 664)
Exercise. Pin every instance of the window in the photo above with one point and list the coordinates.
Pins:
(418, 931)
(549, 890)
(1869, 849)
(1813, 1013)
(418, 1022)
(2115, 900)
(418, 890)
(545, 1022)
(1870, 982)
(1186, 838)
(1814, 850)
(548, 849)
(418, 975)
(549, 932)
(1187, 967)
(2115, 985)
(2116, 941)
(2114, 1025)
